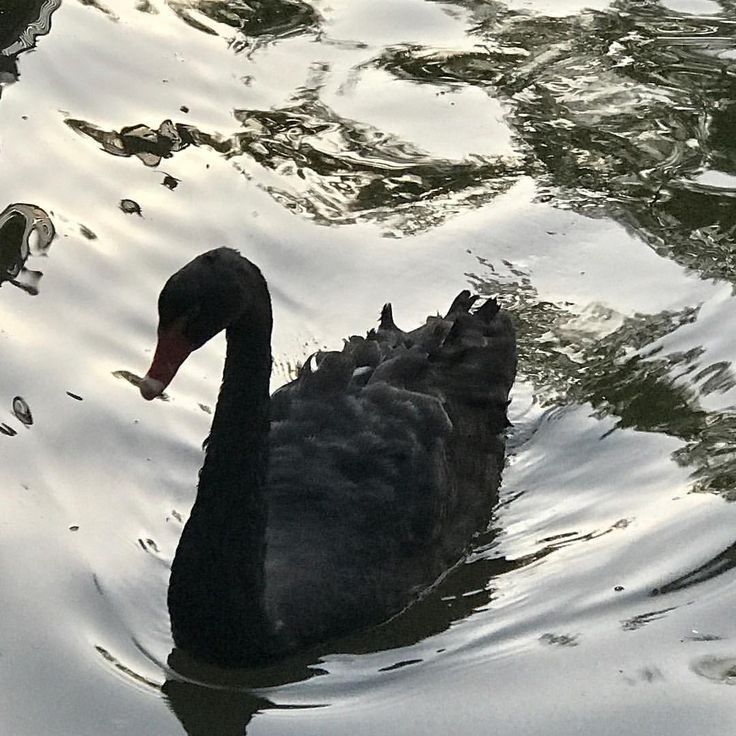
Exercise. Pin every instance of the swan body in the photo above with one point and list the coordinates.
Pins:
(334, 503)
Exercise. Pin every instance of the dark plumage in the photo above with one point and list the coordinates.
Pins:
(334, 503)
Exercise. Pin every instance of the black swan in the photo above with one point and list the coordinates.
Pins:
(334, 503)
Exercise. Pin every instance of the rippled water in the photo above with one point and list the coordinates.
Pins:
(577, 159)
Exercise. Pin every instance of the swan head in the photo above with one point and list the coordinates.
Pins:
(211, 293)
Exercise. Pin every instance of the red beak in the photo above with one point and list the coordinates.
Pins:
(171, 351)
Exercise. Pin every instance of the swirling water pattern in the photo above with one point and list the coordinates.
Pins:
(576, 159)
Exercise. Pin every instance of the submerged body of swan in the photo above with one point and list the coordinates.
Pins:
(334, 503)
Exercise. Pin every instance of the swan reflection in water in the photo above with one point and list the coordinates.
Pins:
(203, 711)
(208, 699)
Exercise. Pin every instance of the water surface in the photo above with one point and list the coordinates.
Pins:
(576, 159)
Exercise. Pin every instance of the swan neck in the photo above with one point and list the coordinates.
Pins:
(217, 581)
(240, 424)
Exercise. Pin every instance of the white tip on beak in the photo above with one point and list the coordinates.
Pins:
(150, 388)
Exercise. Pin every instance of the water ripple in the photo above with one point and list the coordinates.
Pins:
(254, 22)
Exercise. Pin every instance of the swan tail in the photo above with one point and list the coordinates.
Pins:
(488, 310)
(325, 372)
(386, 320)
(461, 304)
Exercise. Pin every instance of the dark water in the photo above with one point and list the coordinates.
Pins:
(577, 160)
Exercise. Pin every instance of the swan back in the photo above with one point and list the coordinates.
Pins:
(385, 459)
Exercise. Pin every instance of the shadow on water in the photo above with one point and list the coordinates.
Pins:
(206, 710)
(209, 700)
(205, 699)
